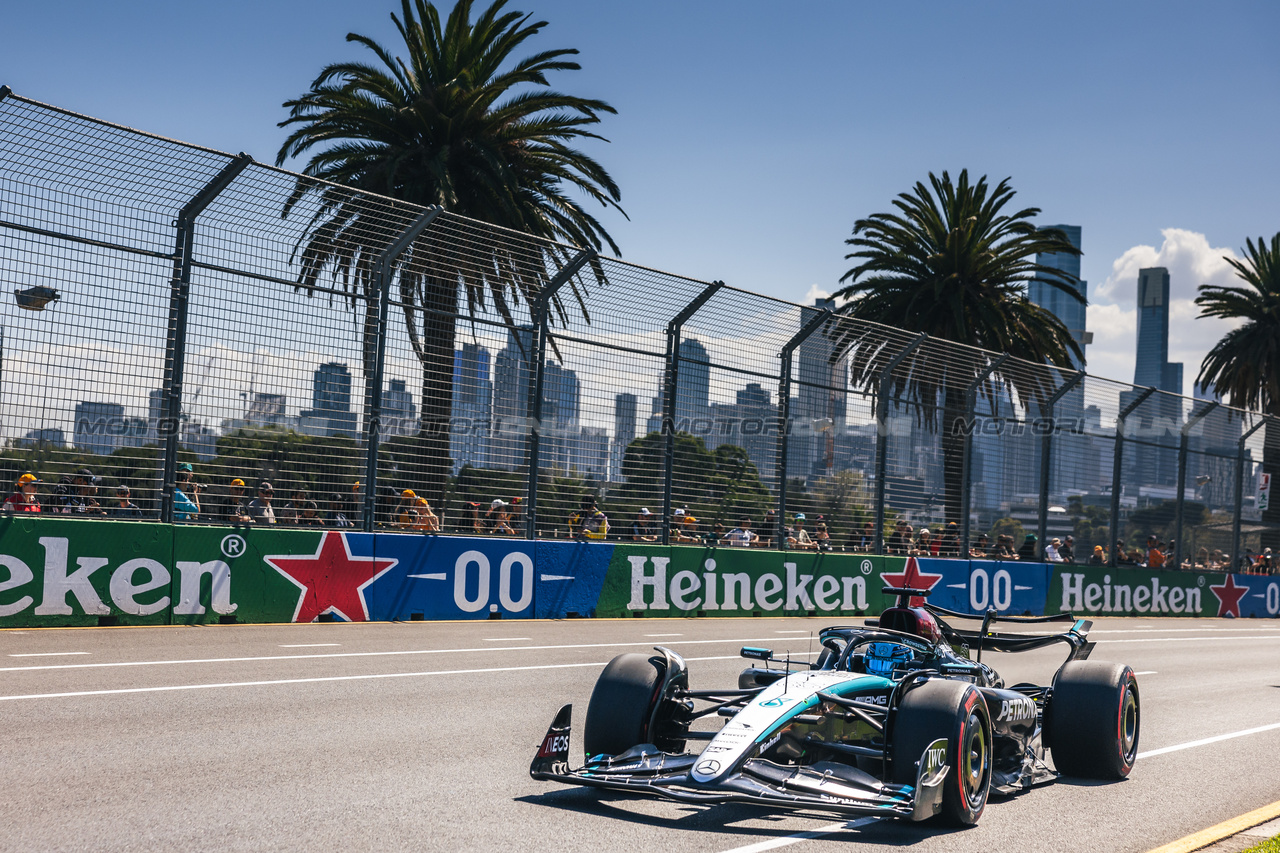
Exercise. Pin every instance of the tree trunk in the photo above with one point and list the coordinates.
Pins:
(1271, 465)
(430, 457)
(954, 412)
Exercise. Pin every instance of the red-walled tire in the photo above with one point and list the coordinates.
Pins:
(954, 710)
(1093, 720)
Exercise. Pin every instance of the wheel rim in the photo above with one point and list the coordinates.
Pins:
(1129, 727)
(975, 762)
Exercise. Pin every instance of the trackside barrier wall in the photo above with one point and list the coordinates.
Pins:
(71, 572)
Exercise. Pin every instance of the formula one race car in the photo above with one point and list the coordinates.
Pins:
(893, 720)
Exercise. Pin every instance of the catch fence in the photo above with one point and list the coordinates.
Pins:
(176, 306)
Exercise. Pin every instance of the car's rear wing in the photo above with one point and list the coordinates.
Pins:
(984, 638)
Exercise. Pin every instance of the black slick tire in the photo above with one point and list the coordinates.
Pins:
(622, 704)
(1093, 720)
(954, 710)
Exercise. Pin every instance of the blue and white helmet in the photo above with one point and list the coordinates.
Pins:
(883, 658)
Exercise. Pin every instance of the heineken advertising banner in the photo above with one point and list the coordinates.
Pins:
(65, 572)
(1101, 591)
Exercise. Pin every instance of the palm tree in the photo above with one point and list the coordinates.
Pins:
(463, 123)
(1244, 367)
(952, 264)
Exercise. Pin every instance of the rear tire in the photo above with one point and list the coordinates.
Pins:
(1094, 719)
(954, 710)
(622, 704)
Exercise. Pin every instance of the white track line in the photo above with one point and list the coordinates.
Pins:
(306, 645)
(788, 840)
(1151, 753)
(366, 677)
(46, 654)
(795, 655)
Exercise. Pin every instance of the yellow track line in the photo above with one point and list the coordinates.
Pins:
(1226, 829)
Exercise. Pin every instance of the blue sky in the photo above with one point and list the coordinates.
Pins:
(750, 136)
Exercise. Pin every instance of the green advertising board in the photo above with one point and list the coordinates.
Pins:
(654, 580)
(1102, 591)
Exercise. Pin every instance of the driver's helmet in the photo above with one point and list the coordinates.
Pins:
(883, 658)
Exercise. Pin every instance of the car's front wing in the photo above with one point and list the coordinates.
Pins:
(825, 786)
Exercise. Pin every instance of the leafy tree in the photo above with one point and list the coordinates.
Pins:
(719, 486)
(951, 262)
(461, 121)
(1244, 367)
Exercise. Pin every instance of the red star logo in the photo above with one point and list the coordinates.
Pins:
(912, 578)
(331, 579)
(1229, 596)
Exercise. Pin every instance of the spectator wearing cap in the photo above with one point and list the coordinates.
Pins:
(1067, 550)
(1027, 550)
(260, 507)
(1155, 556)
(684, 526)
(407, 510)
(428, 521)
(23, 498)
(981, 548)
(233, 509)
(589, 522)
(899, 541)
(1051, 554)
(515, 507)
(501, 514)
(123, 507)
(643, 529)
(1098, 557)
(82, 500)
(799, 538)
(741, 536)
(185, 507)
(470, 521)
(926, 545)
(336, 517)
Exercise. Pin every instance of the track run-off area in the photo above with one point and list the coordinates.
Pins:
(418, 736)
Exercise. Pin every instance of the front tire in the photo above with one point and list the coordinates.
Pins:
(954, 710)
(622, 704)
(1094, 719)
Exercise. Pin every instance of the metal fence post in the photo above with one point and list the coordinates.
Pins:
(176, 340)
(1117, 461)
(966, 468)
(670, 382)
(1182, 480)
(882, 428)
(784, 410)
(541, 314)
(1235, 524)
(1046, 450)
(383, 271)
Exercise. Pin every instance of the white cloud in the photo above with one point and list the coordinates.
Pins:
(1113, 318)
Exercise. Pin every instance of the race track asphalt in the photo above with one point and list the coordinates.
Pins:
(418, 736)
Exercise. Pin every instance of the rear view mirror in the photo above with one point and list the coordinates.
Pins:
(756, 654)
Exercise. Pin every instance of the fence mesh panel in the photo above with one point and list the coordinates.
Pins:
(503, 384)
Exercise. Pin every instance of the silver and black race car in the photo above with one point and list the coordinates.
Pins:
(893, 719)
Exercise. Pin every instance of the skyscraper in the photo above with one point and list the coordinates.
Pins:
(509, 437)
(330, 412)
(818, 415)
(472, 407)
(693, 383)
(1158, 419)
(624, 432)
(1070, 311)
(1069, 462)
